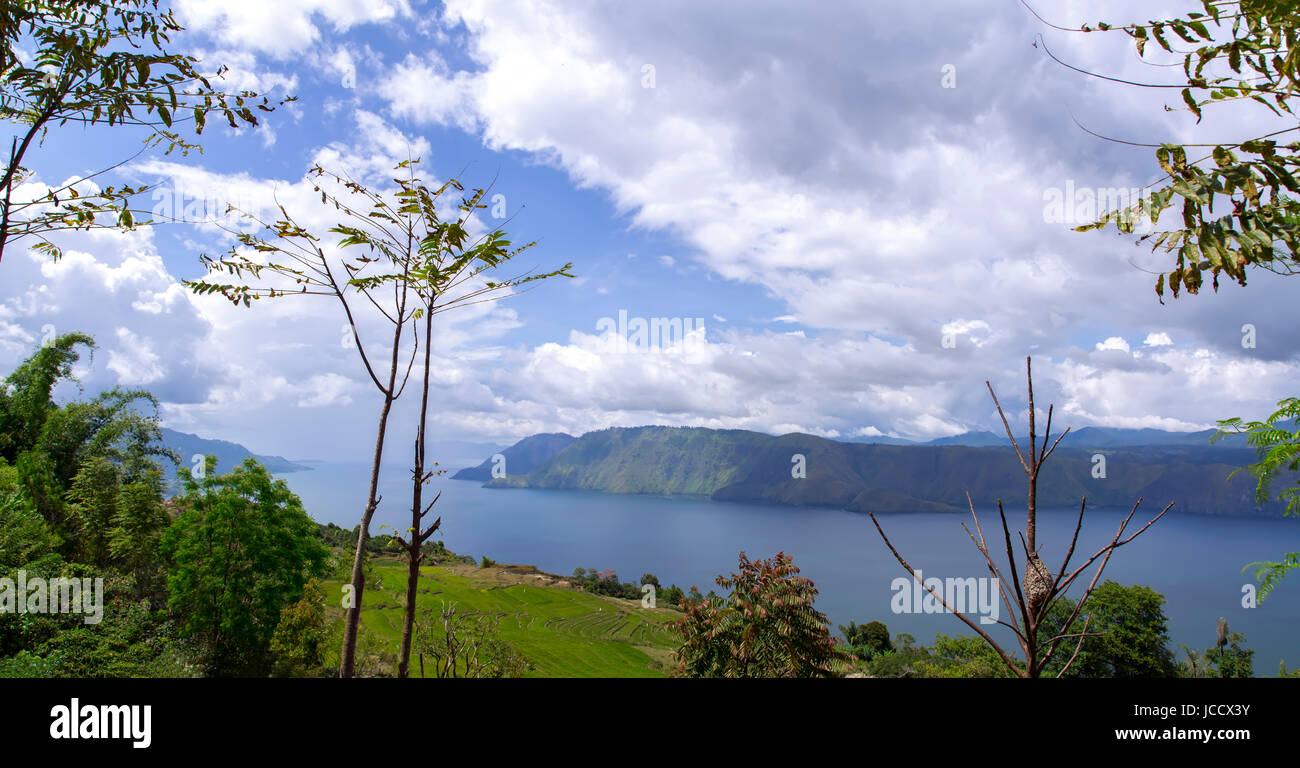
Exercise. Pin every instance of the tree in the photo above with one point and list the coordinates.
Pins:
(1039, 589)
(867, 640)
(299, 640)
(1226, 659)
(1252, 178)
(467, 646)
(673, 596)
(1129, 635)
(1250, 60)
(432, 266)
(26, 540)
(73, 459)
(138, 523)
(242, 550)
(27, 397)
(97, 62)
(766, 627)
(449, 260)
(1277, 439)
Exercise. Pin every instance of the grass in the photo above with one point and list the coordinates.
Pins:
(562, 632)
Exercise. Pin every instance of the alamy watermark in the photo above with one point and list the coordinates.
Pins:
(57, 595)
(655, 334)
(978, 596)
(179, 203)
(1084, 205)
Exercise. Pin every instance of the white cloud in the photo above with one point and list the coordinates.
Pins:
(1114, 342)
(134, 361)
(283, 28)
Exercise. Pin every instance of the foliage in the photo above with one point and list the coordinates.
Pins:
(766, 627)
(1277, 440)
(242, 550)
(961, 656)
(1127, 634)
(29, 665)
(1239, 51)
(867, 640)
(467, 645)
(299, 640)
(1228, 657)
(27, 399)
(97, 62)
(606, 583)
(89, 468)
(25, 538)
(672, 596)
(131, 640)
(398, 242)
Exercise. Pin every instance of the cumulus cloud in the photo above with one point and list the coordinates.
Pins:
(286, 27)
(901, 229)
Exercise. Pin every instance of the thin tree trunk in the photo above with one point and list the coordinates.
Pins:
(16, 153)
(417, 536)
(408, 619)
(348, 660)
(358, 560)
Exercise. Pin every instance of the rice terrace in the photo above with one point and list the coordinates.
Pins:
(560, 631)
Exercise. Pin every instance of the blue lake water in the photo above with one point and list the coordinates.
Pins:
(1194, 561)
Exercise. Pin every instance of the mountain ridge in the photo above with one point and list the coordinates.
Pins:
(739, 465)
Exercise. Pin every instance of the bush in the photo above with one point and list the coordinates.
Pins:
(767, 627)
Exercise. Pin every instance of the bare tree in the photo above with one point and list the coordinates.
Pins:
(449, 267)
(432, 266)
(468, 645)
(1038, 589)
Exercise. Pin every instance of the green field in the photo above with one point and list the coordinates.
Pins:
(562, 632)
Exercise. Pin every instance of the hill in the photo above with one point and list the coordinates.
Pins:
(522, 457)
(738, 465)
(562, 632)
(229, 455)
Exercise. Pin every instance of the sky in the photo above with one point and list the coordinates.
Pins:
(856, 213)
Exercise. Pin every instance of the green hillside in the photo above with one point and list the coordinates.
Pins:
(562, 632)
(737, 465)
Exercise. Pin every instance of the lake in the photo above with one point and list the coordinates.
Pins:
(1194, 561)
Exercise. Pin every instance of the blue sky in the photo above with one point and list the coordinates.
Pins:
(800, 177)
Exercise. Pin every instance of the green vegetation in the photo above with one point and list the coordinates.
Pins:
(1277, 440)
(191, 585)
(1235, 54)
(867, 641)
(1228, 657)
(242, 550)
(1126, 638)
(1131, 637)
(97, 62)
(766, 627)
(558, 631)
(736, 465)
(399, 242)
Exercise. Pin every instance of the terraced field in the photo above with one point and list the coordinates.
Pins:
(562, 632)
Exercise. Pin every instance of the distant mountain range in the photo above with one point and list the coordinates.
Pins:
(229, 455)
(1086, 437)
(862, 476)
